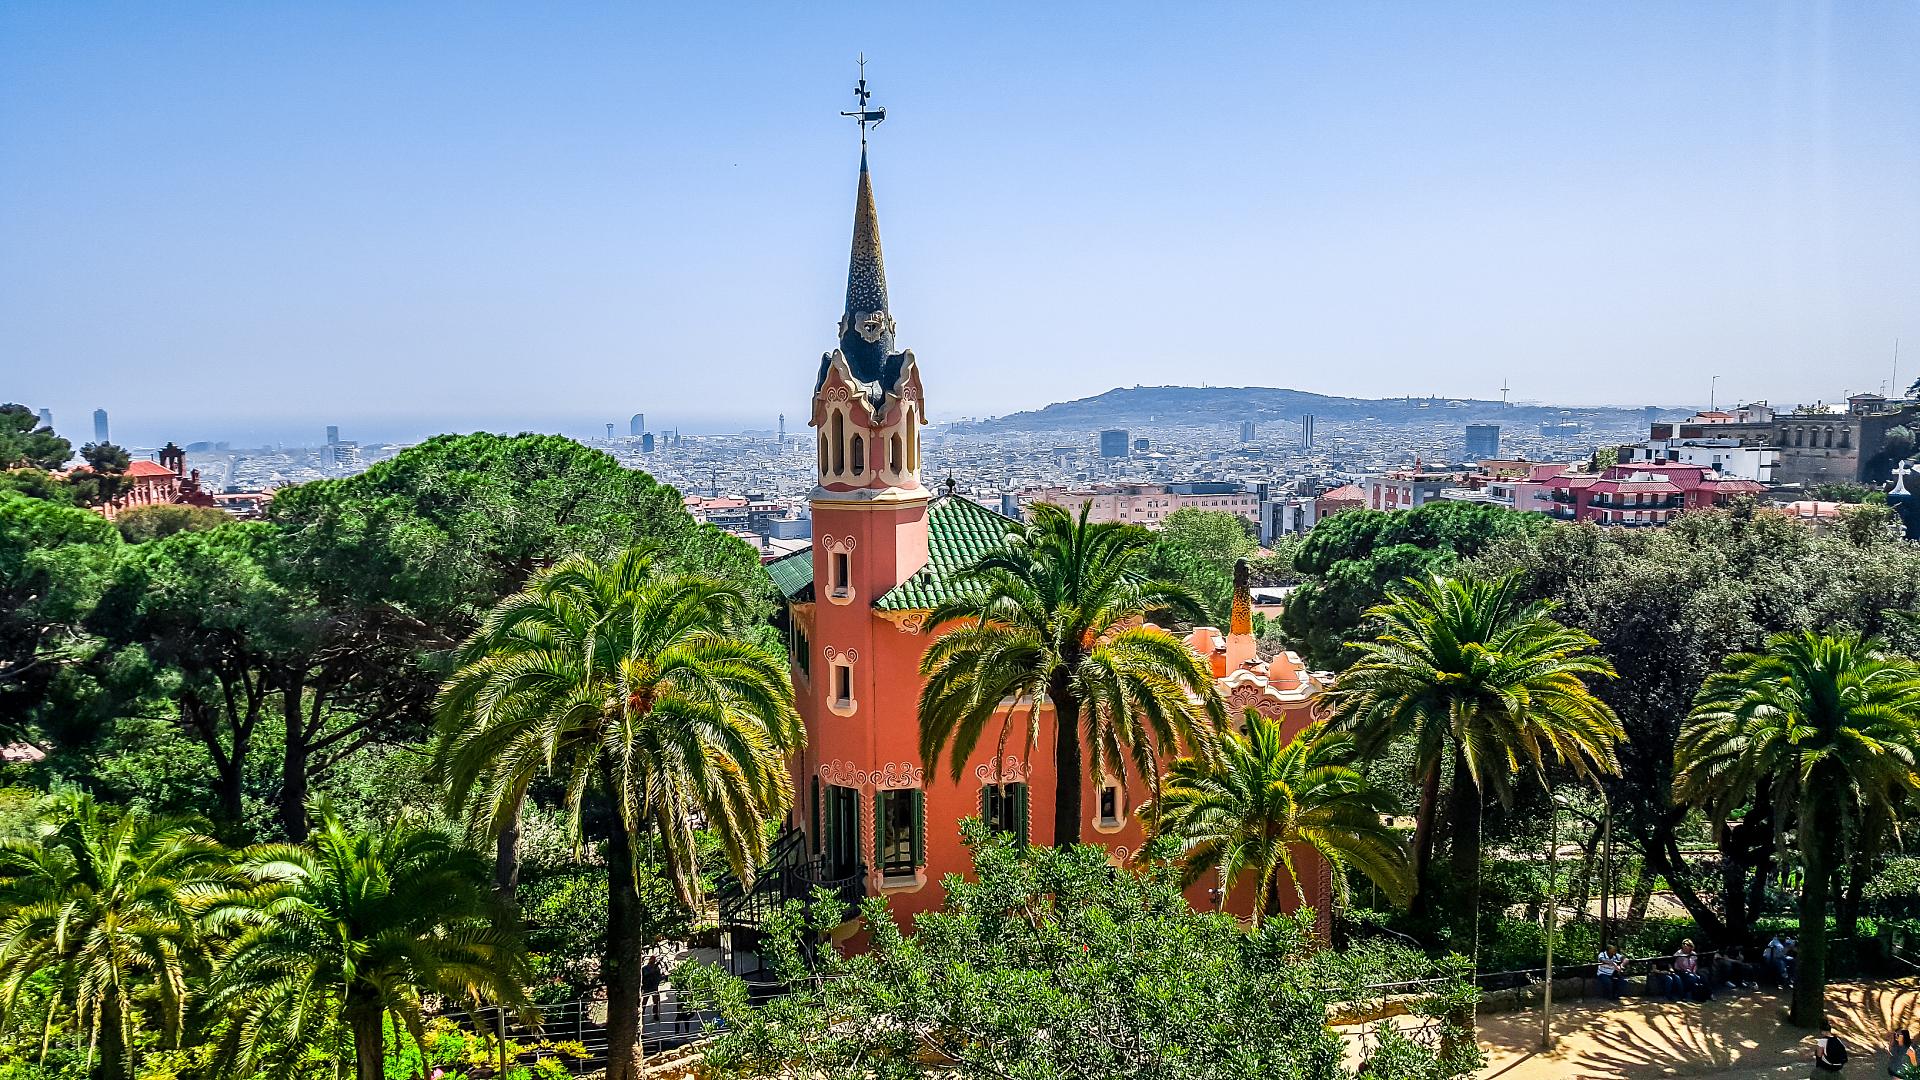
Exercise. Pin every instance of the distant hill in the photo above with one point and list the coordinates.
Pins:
(1192, 406)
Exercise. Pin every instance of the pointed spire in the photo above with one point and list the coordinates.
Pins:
(866, 327)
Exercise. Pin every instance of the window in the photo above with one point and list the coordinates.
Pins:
(802, 652)
(1110, 804)
(842, 572)
(859, 455)
(839, 444)
(895, 457)
(1004, 808)
(843, 685)
(902, 815)
(823, 453)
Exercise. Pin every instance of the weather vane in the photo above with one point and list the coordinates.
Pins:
(862, 114)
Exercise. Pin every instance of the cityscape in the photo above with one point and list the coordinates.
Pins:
(1327, 544)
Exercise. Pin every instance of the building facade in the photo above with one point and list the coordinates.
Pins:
(1642, 495)
(1816, 444)
(1407, 489)
(1483, 441)
(870, 818)
(1150, 504)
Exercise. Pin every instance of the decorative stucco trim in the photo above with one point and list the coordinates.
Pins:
(1010, 770)
(893, 776)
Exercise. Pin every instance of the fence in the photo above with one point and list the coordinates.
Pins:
(670, 1019)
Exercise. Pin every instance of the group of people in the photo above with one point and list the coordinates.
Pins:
(1676, 978)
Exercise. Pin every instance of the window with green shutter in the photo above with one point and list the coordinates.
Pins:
(1004, 809)
(902, 817)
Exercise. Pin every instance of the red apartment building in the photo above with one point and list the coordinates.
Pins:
(1640, 494)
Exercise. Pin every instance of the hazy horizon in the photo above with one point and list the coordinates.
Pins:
(225, 219)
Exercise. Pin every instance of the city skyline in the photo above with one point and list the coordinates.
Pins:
(267, 223)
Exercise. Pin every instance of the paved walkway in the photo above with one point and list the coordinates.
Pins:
(1744, 1034)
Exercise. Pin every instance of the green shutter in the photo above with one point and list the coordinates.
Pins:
(814, 839)
(828, 812)
(919, 827)
(1019, 801)
(986, 807)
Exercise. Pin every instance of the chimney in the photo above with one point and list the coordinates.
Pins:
(1240, 642)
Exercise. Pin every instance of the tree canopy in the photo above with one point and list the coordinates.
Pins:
(1352, 558)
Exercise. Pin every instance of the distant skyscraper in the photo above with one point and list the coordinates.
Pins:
(100, 425)
(1113, 443)
(1483, 441)
(637, 425)
(1247, 431)
(46, 418)
(1141, 446)
(646, 442)
(333, 434)
(1306, 430)
(783, 430)
(609, 432)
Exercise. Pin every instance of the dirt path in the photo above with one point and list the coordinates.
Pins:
(1738, 1035)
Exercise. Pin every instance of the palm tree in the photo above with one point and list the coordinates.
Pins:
(1054, 617)
(350, 929)
(103, 903)
(1469, 671)
(1832, 726)
(1268, 795)
(639, 685)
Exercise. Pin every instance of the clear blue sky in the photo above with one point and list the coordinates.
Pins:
(222, 220)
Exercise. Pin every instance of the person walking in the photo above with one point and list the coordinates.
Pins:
(651, 977)
(1775, 957)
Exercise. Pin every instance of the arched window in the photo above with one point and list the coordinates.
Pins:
(839, 444)
(1799, 436)
(823, 453)
(1829, 438)
(1846, 438)
(896, 454)
(859, 455)
(913, 446)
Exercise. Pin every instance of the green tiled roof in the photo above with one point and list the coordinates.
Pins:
(793, 574)
(959, 531)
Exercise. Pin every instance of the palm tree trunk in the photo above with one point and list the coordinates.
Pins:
(1423, 836)
(506, 854)
(626, 1057)
(1067, 765)
(369, 1042)
(1810, 968)
(1464, 861)
(113, 1036)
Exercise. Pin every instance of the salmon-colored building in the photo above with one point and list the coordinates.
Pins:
(870, 819)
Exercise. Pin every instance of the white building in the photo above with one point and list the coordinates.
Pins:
(1724, 456)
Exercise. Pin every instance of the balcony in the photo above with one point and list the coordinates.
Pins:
(849, 888)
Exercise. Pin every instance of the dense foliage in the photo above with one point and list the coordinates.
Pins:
(1051, 963)
(1352, 558)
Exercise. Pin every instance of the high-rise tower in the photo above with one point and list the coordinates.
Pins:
(99, 425)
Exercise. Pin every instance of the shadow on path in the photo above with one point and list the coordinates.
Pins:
(1743, 1034)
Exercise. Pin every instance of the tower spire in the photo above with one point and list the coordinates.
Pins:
(866, 326)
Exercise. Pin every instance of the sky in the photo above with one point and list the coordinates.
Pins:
(247, 221)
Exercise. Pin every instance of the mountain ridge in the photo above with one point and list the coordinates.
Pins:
(1178, 406)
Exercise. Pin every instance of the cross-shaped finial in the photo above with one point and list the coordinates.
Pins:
(1900, 474)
